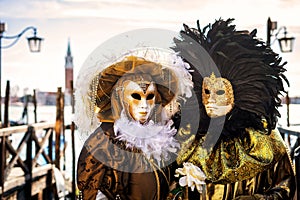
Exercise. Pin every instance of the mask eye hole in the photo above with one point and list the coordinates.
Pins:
(220, 92)
(206, 91)
(150, 96)
(136, 96)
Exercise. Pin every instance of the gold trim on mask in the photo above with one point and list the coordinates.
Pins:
(217, 92)
(143, 84)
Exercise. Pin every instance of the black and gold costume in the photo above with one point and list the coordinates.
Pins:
(249, 160)
(255, 166)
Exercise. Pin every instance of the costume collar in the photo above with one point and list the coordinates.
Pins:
(153, 139)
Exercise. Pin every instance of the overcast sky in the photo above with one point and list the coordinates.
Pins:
(89, 23)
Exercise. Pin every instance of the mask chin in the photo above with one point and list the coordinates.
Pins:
(217, 111)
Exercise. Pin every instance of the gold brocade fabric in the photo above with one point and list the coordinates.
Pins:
(277, 183)
(235, 159)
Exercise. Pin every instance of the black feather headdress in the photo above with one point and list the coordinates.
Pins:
(254, 70)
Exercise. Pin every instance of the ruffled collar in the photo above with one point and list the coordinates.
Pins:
(153, 139)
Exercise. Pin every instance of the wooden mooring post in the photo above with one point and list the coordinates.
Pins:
(34, 106)
(58, 126)
(297, 167)
(28, 162)
(6, 107)
(73, 144)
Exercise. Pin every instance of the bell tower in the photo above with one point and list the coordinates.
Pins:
(68, 75)
(68, 69)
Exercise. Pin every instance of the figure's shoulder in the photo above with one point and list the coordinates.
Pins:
(103, 133)
(272, 142)
(106, 126)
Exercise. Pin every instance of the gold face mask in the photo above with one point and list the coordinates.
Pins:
(217, 96)
(140, 99)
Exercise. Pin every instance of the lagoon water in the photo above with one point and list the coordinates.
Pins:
(48, 113)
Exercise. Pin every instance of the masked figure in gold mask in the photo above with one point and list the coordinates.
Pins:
(237, 81)
(217, 96)
(129, 155)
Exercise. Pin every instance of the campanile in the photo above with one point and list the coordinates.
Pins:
(68, 69)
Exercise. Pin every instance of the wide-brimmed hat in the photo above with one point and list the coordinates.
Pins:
(95, 84)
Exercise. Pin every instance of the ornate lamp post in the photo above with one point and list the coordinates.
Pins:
(34, 43)
(286, 44)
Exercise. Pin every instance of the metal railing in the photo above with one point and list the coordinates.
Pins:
(294, 152)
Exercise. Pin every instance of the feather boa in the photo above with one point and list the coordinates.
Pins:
(154, 140)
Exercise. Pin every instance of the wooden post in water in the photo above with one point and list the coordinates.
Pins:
(73, 144)
(49, 179)
(6, 105)
(62, 108)
(34, 105)
(2, 163)
(50, 146)
(3, 140)
(297, 166)
(25, 109)
(287, 109)
(28, 177)
(58, 127)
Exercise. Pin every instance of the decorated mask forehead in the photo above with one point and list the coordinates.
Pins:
(142, 88)
(217, 93)
(139, 99)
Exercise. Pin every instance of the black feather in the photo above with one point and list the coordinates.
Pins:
(254, 70)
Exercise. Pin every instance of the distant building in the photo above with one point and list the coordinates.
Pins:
(46, 98)
(292, 100)
(68, 74)
(295, 100)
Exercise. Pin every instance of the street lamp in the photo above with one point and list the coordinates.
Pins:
(286, 45)
(34, 43)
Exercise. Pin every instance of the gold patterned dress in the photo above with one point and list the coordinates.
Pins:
(255, 166)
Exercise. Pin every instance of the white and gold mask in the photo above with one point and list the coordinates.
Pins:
(139, 97)
(217, 96)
